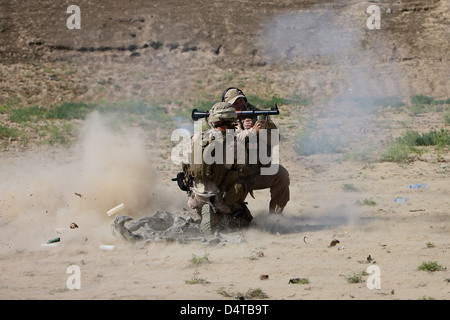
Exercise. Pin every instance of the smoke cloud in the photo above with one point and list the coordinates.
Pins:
(109, 165)
(356, 77)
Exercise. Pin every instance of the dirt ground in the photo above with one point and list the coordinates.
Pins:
(178, 53)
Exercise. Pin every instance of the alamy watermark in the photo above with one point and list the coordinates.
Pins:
(374, 280)
(374, 21)
(74, 21)
(261, 151)
(74, 280)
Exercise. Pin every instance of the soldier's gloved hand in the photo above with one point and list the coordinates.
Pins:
(261, 124)
(247, 123)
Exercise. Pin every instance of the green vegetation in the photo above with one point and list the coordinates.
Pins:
(250, 294)
(66, 110)
(312, 139)
(349, 187)
(195, 279)
(54, 124)
(439, 138)
(397, 153)
(422, 99)
(221, 291)
(8, 133)
(356, 277)
(70, 110)
(447, 119)
(366, 202)
(407, 144)
(33, 113)
(431, 266)
(59, 135)
(422, 104)
(255, 294)
(199, 260)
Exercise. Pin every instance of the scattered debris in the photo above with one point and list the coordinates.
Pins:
(214, 241)
(401, 200)
(298, 280)
(73, 225)
(260, 254)
(54, 240)
(79, 195)
(304, 240)
(119, 227)
(115, 209)
(264, 277)
(107, 247)
(167, 226)
(334, 242)
(369, 259)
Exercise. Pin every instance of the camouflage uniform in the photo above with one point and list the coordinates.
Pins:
(223, 191)
(278, 183)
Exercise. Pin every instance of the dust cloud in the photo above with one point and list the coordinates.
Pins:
(109, 164)
(342, 122)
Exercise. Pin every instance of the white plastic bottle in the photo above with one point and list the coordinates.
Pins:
(400, 200)
(419, 186)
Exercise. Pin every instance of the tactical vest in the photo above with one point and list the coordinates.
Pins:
(203, 171)
(225, 179)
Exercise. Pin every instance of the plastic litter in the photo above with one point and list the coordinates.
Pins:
(51, 243)
(54, 240)
(400, 200)
(115, 209)
(107, 247)
(419, 186)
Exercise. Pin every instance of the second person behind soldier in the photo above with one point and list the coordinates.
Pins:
(277, 183)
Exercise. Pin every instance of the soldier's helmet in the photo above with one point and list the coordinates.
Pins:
(222, 112)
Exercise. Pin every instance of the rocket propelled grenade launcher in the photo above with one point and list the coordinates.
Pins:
(196, 114)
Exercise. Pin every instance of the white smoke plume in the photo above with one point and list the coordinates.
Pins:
(109, 165)
(321, 40)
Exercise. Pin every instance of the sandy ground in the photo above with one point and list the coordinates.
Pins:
(293, 245)
(146, 51)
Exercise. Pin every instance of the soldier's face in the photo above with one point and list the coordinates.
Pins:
(223, 126)
(240, 104)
